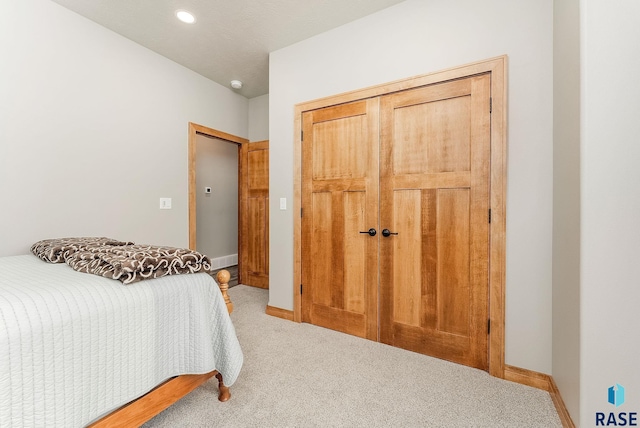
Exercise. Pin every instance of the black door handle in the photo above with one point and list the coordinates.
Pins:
(387, 232)
(371, 232)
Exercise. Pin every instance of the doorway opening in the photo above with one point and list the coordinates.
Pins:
(215, 211)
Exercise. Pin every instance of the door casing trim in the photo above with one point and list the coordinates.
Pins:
(195, 129)
(497, 67)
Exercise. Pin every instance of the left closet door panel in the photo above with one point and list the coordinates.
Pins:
(339, 201)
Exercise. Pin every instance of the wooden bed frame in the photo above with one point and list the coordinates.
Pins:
(164, 395)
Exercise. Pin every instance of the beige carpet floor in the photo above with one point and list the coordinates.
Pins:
(300, 375)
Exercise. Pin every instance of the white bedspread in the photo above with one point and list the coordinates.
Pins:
(75, 346)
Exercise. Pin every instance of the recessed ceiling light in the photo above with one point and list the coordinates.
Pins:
(185, 16)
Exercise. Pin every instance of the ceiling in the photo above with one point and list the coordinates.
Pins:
(231, 39)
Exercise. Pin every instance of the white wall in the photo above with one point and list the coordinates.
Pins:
(610, 245)
(94, 130)
(259, 118)
(216, 212)
(566, 203)
(417, 37)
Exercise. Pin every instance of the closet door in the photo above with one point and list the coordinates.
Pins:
(434, 199)
(340, 205)
(254, 248)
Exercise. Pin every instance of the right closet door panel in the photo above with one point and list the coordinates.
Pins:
(434, 203)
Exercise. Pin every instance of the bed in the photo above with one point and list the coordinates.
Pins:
(78, 349)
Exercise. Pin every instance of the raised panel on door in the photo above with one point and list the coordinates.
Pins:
(434, 193)
(255, 222)
(339, 200)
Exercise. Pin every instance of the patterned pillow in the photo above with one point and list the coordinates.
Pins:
(59, 250)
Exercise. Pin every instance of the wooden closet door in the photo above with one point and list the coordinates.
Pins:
(340, 200)
(254, 265)
(434, 195)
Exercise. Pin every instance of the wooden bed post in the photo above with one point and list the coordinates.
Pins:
(223, 278)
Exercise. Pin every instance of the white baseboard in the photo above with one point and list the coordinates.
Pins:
(224, 261)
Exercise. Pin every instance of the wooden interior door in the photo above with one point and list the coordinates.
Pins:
(254, 248)
(339, 201)
(434, 197)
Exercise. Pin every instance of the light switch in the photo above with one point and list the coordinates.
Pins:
(165, 203)
(283, 203)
